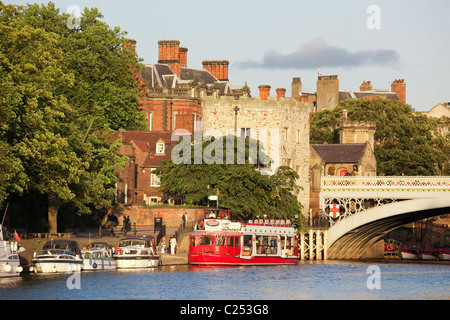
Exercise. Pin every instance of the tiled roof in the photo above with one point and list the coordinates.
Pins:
(340, 153)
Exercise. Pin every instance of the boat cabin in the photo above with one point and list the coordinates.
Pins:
(243, 244)
(61, 246)
(133, 243)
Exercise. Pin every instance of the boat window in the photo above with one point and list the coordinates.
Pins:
(291, 243)
(220, 241)
(272, 245)
(262, 244)
(230, 241)
(206, 240)
(247, 250)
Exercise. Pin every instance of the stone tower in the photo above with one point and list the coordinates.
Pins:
(327, 92)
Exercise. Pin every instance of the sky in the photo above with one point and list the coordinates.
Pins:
(271, 42)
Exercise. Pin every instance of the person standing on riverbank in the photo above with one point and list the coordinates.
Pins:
(173, 244)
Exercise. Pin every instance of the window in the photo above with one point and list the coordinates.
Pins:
(150, 121)
(160, 148)
(299, 136)
(193, 241)
(155, 181)
(233, 241)
(286, 133)
(220, 241)
(206, 240)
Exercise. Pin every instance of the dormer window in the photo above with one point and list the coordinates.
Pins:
(160, 148)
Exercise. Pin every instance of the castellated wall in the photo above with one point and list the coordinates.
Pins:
(283, 123)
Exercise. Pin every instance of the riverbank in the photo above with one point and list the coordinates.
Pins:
(33, 245)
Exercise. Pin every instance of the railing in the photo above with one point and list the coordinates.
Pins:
(400, 183)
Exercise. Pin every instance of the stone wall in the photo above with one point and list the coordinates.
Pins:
(282, 123)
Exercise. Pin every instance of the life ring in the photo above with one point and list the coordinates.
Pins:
(117, 250)
(201, 225)
(390, 247)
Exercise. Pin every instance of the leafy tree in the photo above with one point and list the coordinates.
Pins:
(405, 142)
(243, 188)
(58, 108)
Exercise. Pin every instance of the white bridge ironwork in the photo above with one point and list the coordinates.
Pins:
(371, 206)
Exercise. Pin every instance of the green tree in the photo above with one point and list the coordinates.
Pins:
(243, 188)
(405, 142)
(58, 108)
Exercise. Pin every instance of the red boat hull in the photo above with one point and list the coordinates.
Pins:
(219, 259)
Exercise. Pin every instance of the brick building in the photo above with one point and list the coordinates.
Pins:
(146, 150)
(172, 92)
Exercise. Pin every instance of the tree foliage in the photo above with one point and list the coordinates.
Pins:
(405, 142)
(63, 92)
(242, 187)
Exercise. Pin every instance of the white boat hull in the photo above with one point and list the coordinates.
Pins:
(99, 264)
(409, 256)
(424, 256)
(137, 262)
(444, 256)
(10, 268)
(55, 266)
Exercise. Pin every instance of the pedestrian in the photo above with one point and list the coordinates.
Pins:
(184, 220)
(173, 244)
(163, 245)
(128, 223)
(124, 227)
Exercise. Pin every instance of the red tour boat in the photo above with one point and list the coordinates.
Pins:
(218, 241)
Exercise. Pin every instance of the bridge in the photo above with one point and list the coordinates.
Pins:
(361, 210)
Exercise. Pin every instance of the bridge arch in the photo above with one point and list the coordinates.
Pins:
(351, 237)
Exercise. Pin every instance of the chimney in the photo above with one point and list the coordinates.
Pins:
(130, 44)
(281, 93)
(169, 53)
(183, 56)
(399, 87)
(218, 68)
(365, 86)
(264, 92)
(296, 88)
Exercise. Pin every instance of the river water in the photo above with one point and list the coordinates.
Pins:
(331, 280)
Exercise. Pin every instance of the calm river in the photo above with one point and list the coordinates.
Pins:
(331, 280)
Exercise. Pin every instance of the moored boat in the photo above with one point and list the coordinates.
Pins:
(409, 253)
(9, 258)
(427, 254)
(261, 242)
(98, 257)
(58, 256)
(444, 254)
(136, 252)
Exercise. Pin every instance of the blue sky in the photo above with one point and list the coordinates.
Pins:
(271, 42)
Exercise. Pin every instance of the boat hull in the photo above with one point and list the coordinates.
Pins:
(218, 259)
(10, 268)
(444, 256)
(137, 262)
(424, 256)
(57, 266)
(99, 264)
(409, 256)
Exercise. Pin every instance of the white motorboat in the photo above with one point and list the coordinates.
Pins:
(444, 254)
(98, 257)
(9, 257)
(136, 252)
(409, 253)
(427, 254)
(58, 256)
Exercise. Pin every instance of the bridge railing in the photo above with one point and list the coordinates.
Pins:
(409, 183)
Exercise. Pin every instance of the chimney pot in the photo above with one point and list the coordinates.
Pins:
(281, 93)
(264, 91)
